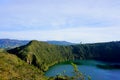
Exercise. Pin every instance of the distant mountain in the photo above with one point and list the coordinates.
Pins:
(42, 55)
(12, 43)
(60, 43)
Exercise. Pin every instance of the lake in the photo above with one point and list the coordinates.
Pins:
(97, 70)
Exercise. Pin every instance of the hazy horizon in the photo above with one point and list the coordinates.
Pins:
(87, 21)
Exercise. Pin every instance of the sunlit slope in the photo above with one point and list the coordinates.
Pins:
(42, 54)
(13, 68)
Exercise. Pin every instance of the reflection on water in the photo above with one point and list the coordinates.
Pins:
(87, 68)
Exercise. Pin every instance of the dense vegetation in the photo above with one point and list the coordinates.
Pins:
(109, 52)
(43, 55)
(77, 75)
(13, 68)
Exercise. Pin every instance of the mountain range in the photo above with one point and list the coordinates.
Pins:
(12, 43)
(42, 55)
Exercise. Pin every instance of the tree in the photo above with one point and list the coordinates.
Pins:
(78, 75)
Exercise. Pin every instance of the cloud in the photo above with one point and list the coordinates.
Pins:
(84, 34)
(45, 11)
(79, 20)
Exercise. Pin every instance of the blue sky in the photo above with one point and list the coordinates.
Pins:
(70, 20)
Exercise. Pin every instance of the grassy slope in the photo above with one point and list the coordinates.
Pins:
(42, 54)
(13, 68)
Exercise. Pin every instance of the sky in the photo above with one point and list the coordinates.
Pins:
(86, 21)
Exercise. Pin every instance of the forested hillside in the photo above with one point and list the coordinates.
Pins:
(13, 68)
(43, 55)
(109, 51)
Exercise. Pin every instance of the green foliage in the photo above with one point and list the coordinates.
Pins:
(77, 75)
(13, 68)
(99, 51)
(42, 54)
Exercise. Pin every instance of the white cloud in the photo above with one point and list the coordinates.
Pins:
(38, 11)
(71, 20)
(83, 34)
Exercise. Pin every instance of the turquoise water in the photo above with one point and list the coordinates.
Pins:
(87, 68)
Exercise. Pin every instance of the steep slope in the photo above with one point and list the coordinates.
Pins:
(109, 51)
(42, 54)
(13, 68)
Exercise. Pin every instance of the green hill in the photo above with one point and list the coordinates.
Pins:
(109, 51)
(13, 68)
(44, 55)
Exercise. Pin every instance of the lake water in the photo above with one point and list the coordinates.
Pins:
(87, 68)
